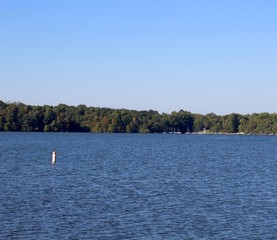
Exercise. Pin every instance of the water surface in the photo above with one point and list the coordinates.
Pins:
(137, 186)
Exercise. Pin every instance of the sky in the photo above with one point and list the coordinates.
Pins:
(202, 56)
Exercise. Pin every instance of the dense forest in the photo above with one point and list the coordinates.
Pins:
(63, 118)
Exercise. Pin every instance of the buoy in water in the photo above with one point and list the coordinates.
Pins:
(53, 157)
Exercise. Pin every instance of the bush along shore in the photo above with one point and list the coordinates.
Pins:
(63, 118)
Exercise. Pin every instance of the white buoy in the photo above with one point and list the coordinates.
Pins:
(53, 157)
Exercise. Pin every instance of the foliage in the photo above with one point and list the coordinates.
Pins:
(64, 118)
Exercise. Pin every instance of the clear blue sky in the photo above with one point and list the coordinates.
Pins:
(202, 56)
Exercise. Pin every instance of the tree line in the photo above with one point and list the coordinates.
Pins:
(63, 118)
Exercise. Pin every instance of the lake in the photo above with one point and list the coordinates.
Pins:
(137, 186)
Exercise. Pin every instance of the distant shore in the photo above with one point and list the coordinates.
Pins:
(63, 118)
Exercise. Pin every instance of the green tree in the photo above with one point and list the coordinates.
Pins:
(231, 123)
(12, 123)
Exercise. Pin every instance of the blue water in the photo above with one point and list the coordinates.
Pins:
(137, 186)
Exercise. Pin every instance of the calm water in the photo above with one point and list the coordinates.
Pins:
(135, 186)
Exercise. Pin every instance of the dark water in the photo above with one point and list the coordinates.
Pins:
(135, 186)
